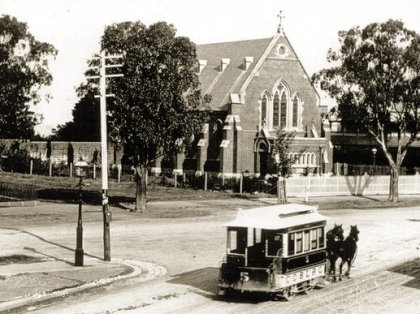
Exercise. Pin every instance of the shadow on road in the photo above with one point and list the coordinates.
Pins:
(206, 280)
(411, 269)
(47, 241)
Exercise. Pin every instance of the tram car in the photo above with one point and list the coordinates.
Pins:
(278, 249)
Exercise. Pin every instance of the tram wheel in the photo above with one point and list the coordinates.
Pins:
(288, 293)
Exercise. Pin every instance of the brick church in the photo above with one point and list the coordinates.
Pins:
(256, 87)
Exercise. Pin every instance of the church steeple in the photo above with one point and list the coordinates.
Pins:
(280, 27)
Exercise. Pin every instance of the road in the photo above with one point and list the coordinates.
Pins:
(191, 248)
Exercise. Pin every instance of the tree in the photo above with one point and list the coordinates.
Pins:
(284, 160)
(85, 125)
(23, 71)
(157, 102)
(375, 80)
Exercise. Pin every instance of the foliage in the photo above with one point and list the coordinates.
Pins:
(157, 102)
(281, 146)
(375, 80)
(17, 160)
(85, 125)
(23, 71)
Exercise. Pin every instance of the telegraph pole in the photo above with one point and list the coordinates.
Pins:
(107, 214)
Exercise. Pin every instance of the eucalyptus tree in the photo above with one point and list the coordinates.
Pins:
(157, 101)
(375, 79)
(23, 72)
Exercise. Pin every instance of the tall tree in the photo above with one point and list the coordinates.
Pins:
(157, 101)
(375, 80)
(23, 71)
(85, 125)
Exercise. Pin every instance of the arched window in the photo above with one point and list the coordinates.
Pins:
(276, 110)
(283, 109)
(263, 120)
(295, 111)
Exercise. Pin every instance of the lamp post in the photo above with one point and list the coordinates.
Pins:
(374, 151)
(80, 167)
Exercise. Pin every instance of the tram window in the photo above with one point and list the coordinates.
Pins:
(321, 237)
(233, 235)
(257, 235)
(298, 242)
(314, 239)
(250, 236)
(291, 244)
(237, 240)
(306, 240)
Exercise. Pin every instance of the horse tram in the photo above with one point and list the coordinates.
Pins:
(280, 250)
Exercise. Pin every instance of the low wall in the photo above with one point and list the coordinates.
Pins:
(59, 155)
(350, 185)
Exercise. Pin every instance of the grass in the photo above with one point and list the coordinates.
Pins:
(19, 259)
(64, 189)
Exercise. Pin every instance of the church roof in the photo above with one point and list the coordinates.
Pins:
(220, 83)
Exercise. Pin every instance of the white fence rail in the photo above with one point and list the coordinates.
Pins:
(350, 185)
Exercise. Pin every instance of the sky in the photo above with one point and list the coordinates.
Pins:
(74, 27)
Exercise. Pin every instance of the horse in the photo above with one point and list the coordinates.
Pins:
(348, 249)
(335, 238)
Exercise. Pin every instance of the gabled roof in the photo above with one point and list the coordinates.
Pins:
(220, 84)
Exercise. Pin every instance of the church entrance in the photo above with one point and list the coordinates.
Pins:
(263, 158)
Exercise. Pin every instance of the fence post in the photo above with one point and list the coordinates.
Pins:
(176, 179)
(49, 168)
(94, 171)
(223, 180)
(241, 181)
(119, 172)
(31, 166)
(71, 170)
(205, 181)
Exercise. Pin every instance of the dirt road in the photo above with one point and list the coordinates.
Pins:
(191, 248)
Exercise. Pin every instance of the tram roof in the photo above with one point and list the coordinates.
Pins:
(277, 217)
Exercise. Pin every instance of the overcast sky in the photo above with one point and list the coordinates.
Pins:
(74, 27)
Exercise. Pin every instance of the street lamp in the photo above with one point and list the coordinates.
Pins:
(81, 170)
(374, 151)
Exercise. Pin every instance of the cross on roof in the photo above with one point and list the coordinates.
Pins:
(281, 17)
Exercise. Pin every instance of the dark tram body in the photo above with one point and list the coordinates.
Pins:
(277, 249)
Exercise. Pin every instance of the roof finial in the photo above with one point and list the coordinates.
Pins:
(281, 17)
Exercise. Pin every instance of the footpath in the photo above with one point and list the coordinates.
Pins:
(36, 280)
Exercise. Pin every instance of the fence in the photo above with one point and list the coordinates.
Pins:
(370, 183)
(17, 190)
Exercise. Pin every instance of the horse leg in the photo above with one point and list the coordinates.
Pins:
(341, 269)
(348, 268)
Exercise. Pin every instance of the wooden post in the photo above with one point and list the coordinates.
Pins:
(49, 168)
(119, 173)
(241, 180)
(94, 171)
(31, 166)
(176, 179)
(71, 170)
(205, 181)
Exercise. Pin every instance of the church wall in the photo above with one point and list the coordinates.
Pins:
(271, 71)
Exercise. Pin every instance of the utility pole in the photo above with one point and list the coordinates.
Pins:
(107, 214)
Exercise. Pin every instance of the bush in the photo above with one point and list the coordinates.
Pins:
(17, 161)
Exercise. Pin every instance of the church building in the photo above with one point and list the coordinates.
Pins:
(257, 87)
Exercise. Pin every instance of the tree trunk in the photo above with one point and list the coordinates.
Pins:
(141, 186)
(281, 191)
(393, 185)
